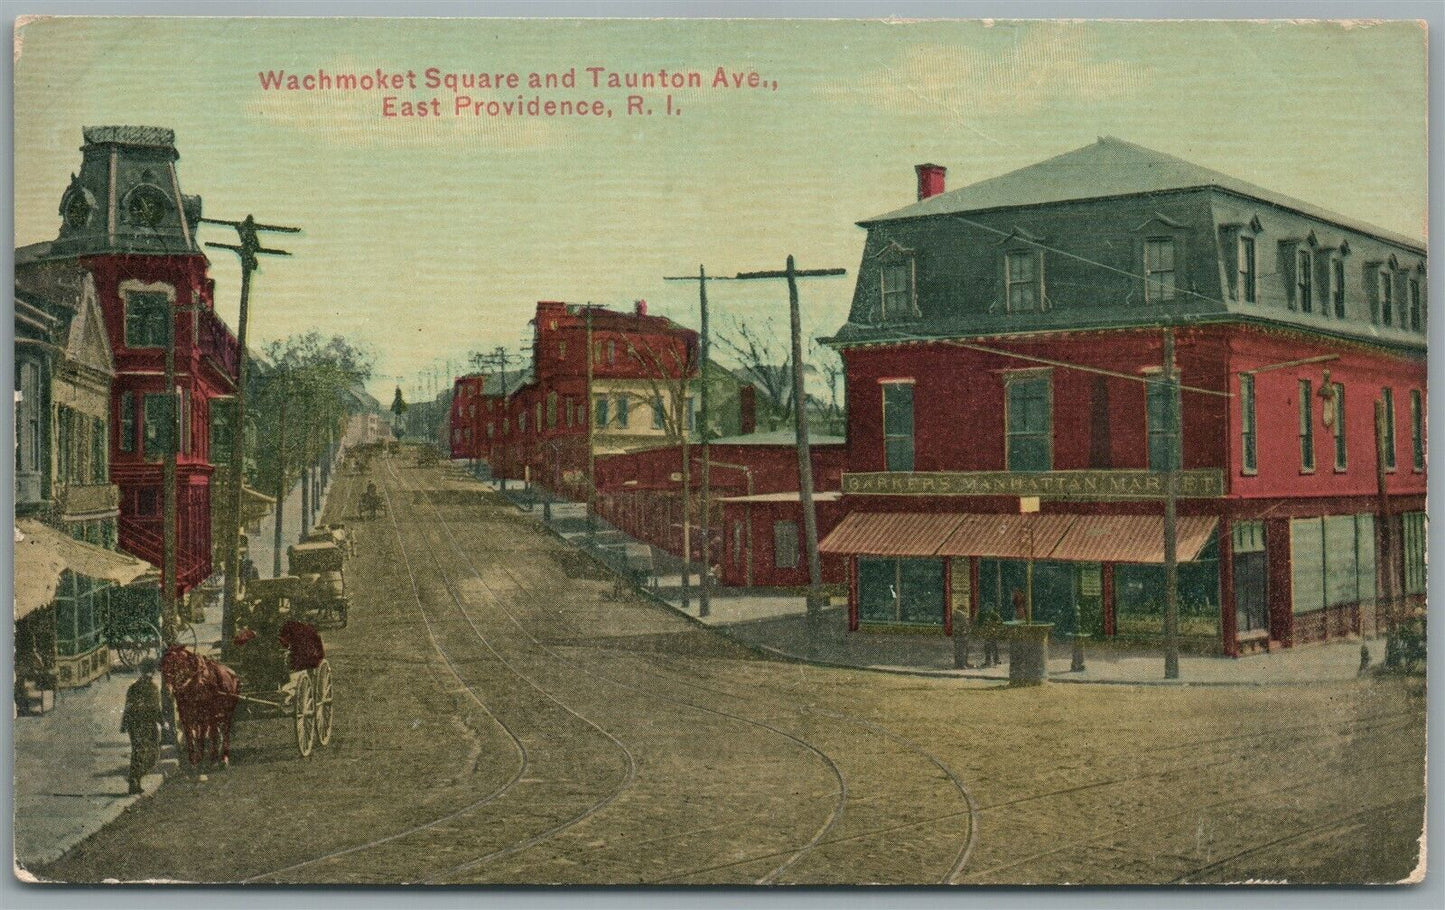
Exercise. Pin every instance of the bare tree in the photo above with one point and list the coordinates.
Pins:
(764, 357)
(669, 368)
(830, 366)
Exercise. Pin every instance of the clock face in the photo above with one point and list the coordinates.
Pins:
(77, 209)
(147, 205)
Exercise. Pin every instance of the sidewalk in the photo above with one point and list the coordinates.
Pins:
(777, 624)
(260, 544)
(71, 763)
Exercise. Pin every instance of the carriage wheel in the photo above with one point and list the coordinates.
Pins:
(305, 706)
(131, 651)
(324, 711)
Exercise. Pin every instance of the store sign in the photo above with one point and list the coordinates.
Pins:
(1205, 483)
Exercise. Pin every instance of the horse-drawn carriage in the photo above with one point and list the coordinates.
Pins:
(333, 533)
(371, 503)
(316, 586)
(281, 663)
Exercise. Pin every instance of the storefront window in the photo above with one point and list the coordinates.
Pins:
(1139, 595)
(1332, 561)
(900, 590)
(1414, 526)
(79, 614)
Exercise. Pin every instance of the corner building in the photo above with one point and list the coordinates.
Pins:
(126, 225)
(1006, 341)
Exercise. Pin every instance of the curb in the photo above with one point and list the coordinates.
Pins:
(168, 764)
(925, 672)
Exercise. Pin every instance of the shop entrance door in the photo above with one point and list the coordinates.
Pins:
(1251, 592)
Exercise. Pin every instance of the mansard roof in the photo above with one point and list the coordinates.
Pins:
(1113, 167)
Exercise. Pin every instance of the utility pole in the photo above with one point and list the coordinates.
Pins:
(1386, 537)
(248, 248)
(704, 605)
(590, 413)
(800, 410)
(1171, 531)
(499, 357)
(169, 608)
(280, 481)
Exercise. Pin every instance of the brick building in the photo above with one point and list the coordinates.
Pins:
(128, 227)
(639, 395)
(1006, 341)
(756, 534)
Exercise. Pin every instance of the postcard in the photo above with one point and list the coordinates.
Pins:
(699, 452)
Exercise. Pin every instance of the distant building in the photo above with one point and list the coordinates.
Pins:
(755, 525)
(640, 395)
(466, 439)
(1005, 341)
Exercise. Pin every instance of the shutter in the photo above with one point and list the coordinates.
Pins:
(1307, 567)
(1341, 568)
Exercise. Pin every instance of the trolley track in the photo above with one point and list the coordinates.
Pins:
(821, 837)
(522, 765)
(842, 787)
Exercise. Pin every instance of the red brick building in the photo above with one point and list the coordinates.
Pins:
(1006, 342)
(125, 221)
(638, 398)
(756, 536)
(466, 417)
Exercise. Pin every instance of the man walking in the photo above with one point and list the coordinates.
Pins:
(142, 720)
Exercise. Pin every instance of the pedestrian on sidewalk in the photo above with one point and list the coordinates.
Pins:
(142, 720)
(989, 622)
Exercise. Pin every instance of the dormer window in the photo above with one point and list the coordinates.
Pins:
(1304, 271)
(1416, 315)
(897, 290)
(1248, 270)
(1159, 278)
(1023, 281)
(897, 284)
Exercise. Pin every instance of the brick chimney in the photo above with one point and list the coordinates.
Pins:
(747, 410)
(930, 179)
(640, 307)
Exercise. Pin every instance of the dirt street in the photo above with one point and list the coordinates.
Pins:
(502, 716)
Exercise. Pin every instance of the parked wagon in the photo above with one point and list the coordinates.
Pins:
(281, 665)
(319, 592)
(333, 533)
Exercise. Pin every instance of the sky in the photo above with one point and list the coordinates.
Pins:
(427, 238)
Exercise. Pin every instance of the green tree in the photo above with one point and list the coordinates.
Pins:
(306, 393)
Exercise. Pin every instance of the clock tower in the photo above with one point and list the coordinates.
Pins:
(127, 198)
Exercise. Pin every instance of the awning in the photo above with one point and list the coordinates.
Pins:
(1006, 536)
(255, 505)
(42, 553)
(1068, 538)
(891, 533)
(1132, 538)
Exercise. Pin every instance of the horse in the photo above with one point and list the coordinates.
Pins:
(206, 695)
